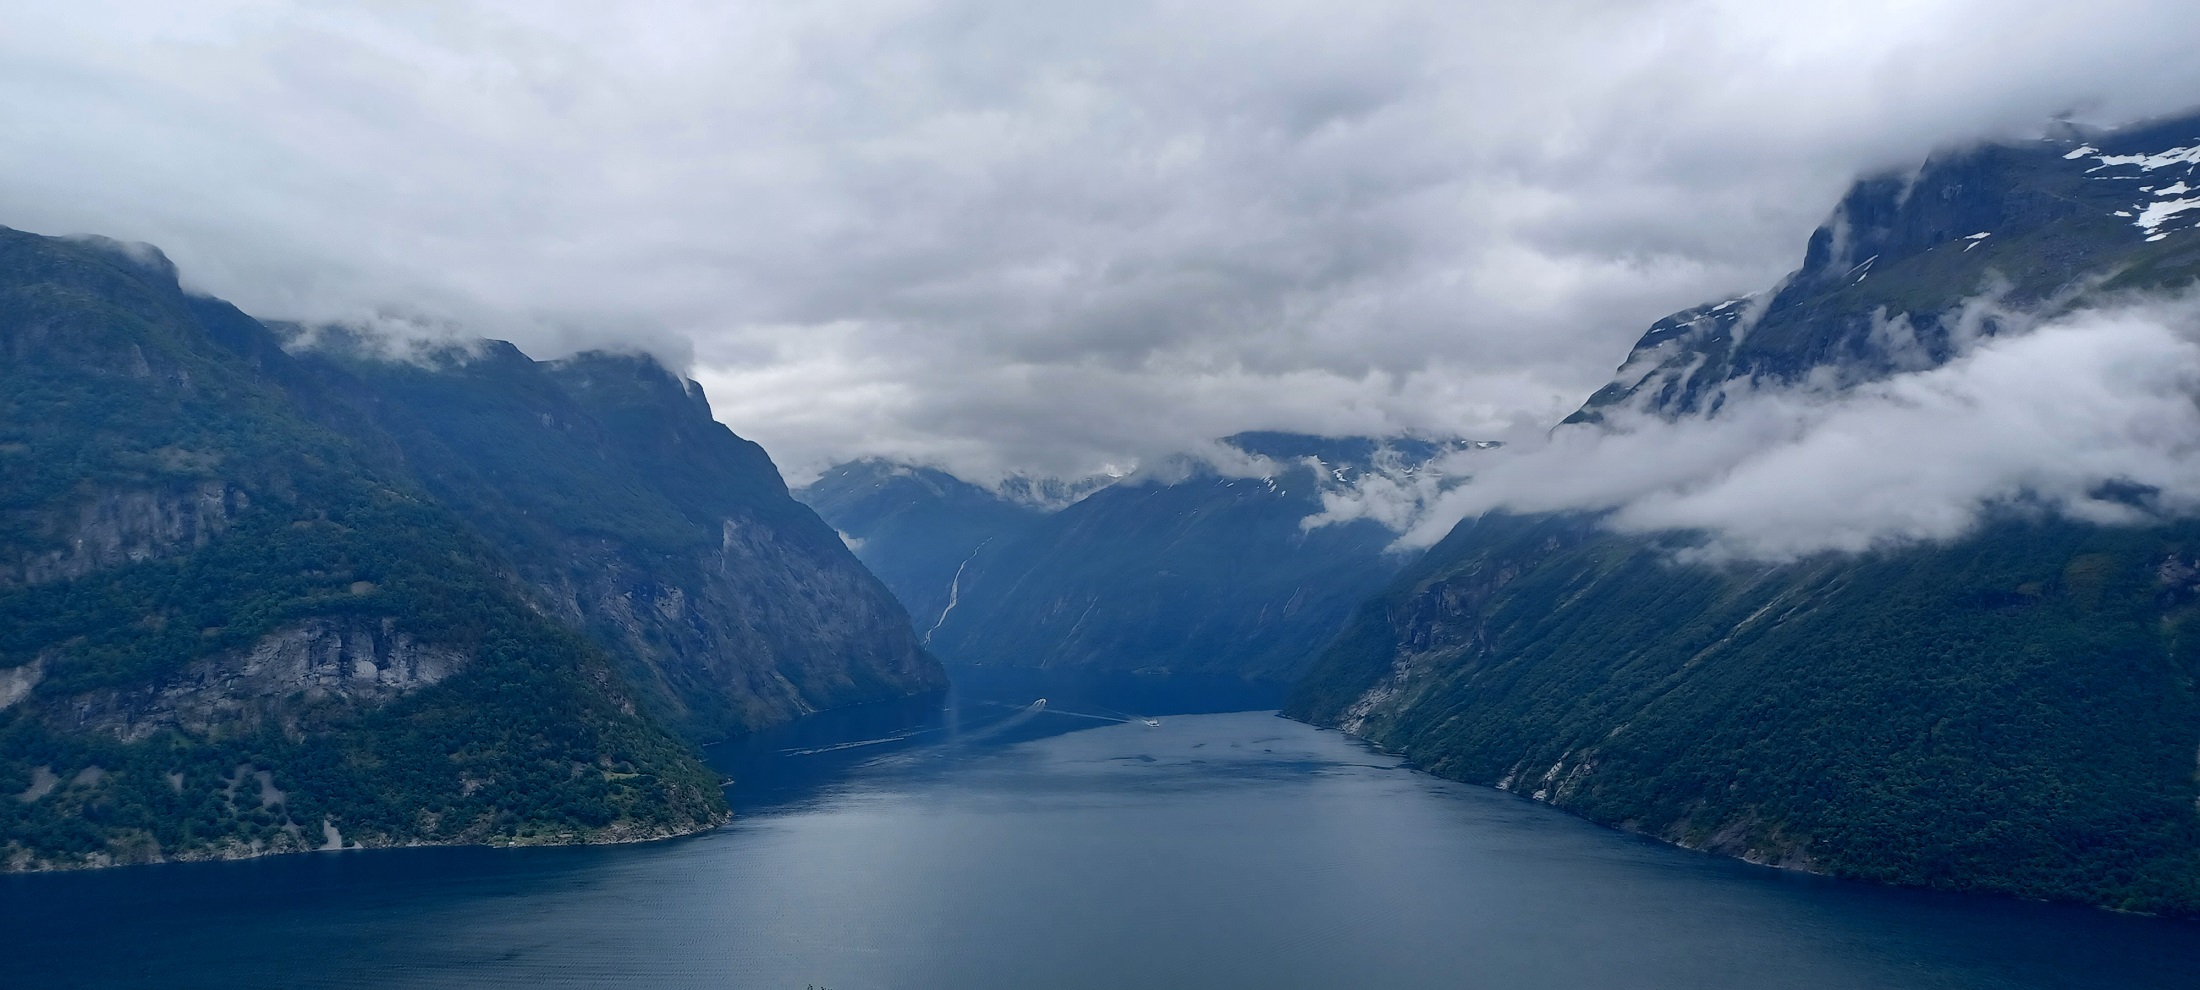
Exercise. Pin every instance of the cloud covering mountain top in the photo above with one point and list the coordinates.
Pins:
(2094, 415)
(1041, 238)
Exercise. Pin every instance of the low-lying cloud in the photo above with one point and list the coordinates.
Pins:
(1045, 238)
(2094, 415)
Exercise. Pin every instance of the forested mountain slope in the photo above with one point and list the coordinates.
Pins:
(642, 520)
(235, 618)
(2014, 710)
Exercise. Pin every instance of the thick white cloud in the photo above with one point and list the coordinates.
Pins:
(1047, 237)
(2094, 415)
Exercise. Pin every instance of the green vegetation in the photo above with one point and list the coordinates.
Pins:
(2016, 711)
(726, 604)
(159, 428)
(523, 746)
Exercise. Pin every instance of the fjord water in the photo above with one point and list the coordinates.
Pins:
(979, 840)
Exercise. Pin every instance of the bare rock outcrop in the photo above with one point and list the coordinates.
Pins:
(319, 661)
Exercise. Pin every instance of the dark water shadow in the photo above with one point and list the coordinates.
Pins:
(788, 766)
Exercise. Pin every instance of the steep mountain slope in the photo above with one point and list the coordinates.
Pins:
(642, 520)
(914, 527)
(255, 601)
(1207, 574)
(225, 629)
(2014, 711)
(1894, 280)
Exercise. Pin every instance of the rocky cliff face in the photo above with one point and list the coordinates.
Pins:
(108, 528)
(269, 686)
(1903, 272)
(2013, 711)
(248, 606)
(640, 518)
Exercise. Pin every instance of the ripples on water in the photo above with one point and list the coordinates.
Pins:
(978, 841)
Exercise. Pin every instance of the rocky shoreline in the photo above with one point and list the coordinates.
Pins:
(615, 834)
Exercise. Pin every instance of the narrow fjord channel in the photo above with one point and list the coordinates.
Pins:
(1120, 834)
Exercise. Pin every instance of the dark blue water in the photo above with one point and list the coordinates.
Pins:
(974, 841)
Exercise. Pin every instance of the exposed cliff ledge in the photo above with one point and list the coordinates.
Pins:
(111, 527)
(350, 660)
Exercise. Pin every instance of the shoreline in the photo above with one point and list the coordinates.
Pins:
(1786, 867)
(609, 835)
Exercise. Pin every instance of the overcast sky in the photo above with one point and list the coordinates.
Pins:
(1048, 237)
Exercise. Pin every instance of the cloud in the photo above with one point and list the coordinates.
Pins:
(1411, 504)
(1031, 237)
(2094, 415)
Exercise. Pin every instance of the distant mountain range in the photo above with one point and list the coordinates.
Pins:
(915, 527)
(2014, 711)
(1183, 569)
(258, 598)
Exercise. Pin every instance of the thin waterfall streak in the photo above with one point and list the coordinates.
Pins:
(954, 591)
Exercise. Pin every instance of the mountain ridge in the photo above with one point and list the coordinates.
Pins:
(1182, 567)
(2011, 711)
(234, 622)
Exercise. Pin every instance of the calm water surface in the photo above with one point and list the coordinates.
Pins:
(978, 841)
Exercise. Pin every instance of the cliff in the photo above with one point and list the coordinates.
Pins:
(244, 608)
(638, 517)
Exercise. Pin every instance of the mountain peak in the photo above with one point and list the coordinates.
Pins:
(1909, 251)
(143, 258)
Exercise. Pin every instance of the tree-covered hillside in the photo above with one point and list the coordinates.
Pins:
(2012, 711)
(640, 519)
(225, 628)
(2017, 712)
(263, 591)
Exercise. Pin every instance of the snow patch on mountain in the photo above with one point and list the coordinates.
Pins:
(2148, 163)
(2149, 217)
(2155, 215)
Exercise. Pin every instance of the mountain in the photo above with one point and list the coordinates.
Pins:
(239, 615)
(637, 517)
(1891, 282)
(914, 527)
(2014, 711)
(1187, 570)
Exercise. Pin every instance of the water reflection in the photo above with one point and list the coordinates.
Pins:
(988, 706)
(977, 840)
